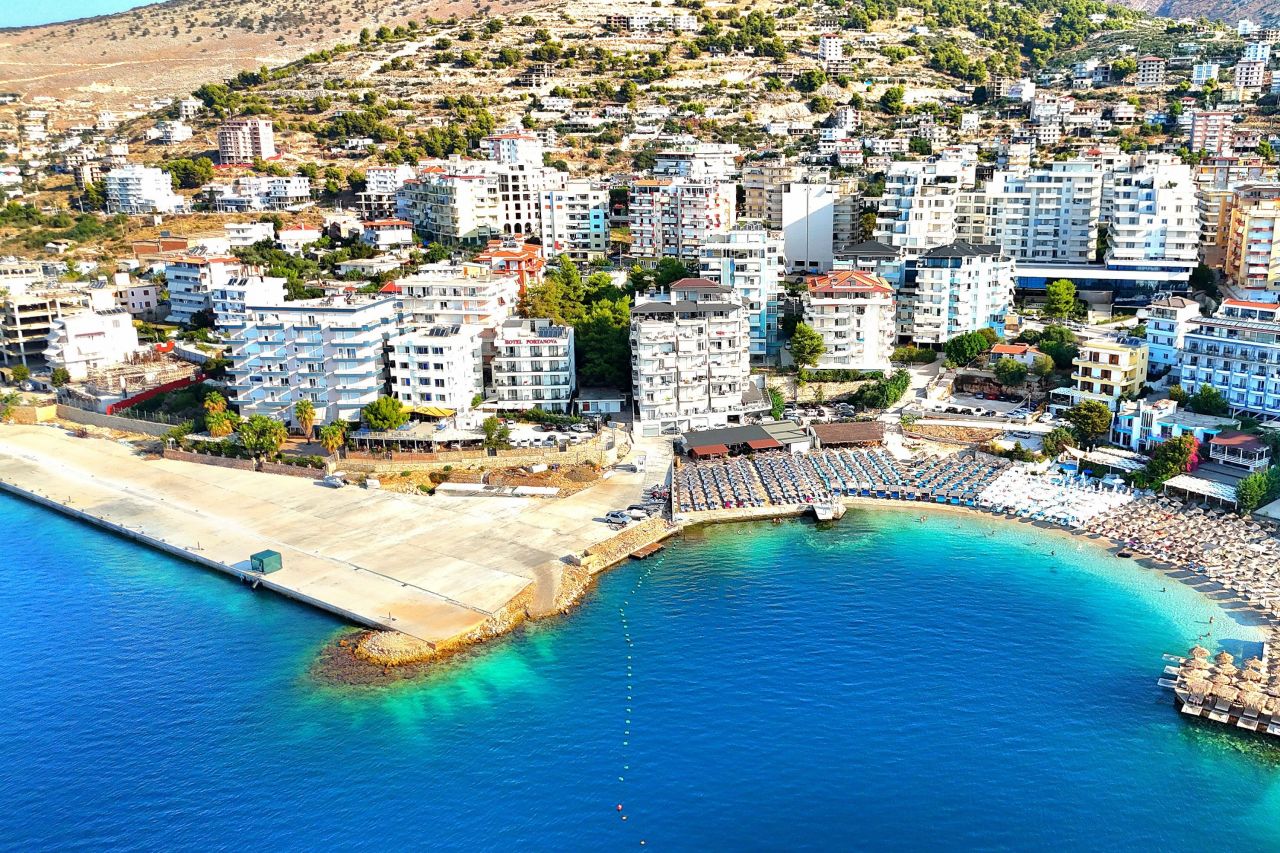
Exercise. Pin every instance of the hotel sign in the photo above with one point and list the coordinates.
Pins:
(529, 341)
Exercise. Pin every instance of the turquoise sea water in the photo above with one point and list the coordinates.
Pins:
(874, 684)
(16, 14)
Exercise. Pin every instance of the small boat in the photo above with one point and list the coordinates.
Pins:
(1125, 554)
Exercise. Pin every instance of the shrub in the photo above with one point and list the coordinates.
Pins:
(913, 355)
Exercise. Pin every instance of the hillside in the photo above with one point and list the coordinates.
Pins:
(1263, 12)
(173, 47)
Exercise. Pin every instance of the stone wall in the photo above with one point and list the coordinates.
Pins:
(291, 470)
(210, 459)
(30, 415)
(595, 452)
(80, 416)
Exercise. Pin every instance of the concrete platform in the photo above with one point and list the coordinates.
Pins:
(433, 567)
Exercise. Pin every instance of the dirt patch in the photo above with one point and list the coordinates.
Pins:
(966, 435)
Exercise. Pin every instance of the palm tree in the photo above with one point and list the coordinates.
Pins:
(220, 424)
(215, 403)
(332, 437)
(305, 415)
(261, 434)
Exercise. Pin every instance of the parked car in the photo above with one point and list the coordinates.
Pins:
(617, 516)
(336, 480)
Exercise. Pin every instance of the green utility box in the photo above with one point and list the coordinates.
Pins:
(266, 562)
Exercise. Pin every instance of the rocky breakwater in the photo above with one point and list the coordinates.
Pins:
(370, 658)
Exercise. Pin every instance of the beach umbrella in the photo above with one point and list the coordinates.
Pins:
(1195, 664)
(1251, 675)
(1219, 679)
(1198, 652)
(1226, 669)
(1254, 663)
(1226, 691)
(1224, 657)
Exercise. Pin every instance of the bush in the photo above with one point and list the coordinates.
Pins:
(913, 355)
(807, 375)
(538, 416)
(886, 391)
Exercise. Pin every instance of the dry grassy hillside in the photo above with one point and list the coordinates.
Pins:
(1266, 12)
(173, 47)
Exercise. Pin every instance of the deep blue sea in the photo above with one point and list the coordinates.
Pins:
(16, 14)
(879, 683)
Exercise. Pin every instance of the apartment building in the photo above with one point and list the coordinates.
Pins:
(854, 312)
(328, 351)
(1151, 71)
(1250, 74)
(953, 289)
(1211, 131)
(674, 217)
(1203, 72)
(465, 294)
(378, 198)
(437, 367)
(749, 259)
(242, 140)
(255, 192)
(1141, 425)
(87, 340)
(387, 235)
(1047, 215)
(763, 185)
(710, 162)
(918, 208)
(134, 189)
(1105, 371)
(516, 147)
(229, 300)
(452, 208)
(575, 221)
(27, 315)
(533, 366)
(1236, 351)
(191, 280)
(1252, 257)
(1153, 220)
(1167, 322)
(690, 360)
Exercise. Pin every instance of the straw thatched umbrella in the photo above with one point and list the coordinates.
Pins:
(1254, 663)
(1252, 697)
(1251, 675)
(1195, 663)
(1224, 657)
(1219, 679)
(1226, 669)
(1225, 691)
(1198, 652)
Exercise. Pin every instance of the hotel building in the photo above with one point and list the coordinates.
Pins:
(1237, 351)
(954, 289)
(533, 366)
(749, 260)
(437, 367)
(855, 315)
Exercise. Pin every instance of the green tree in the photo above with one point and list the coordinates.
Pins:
(220, 424)
(1060, 298)
(1091, 421)
(1010, 372)
(21, 373)
(333, 436)
(1041, 367)
(188, 174)
(1170, 458)
(963, 349)
(1208, 401)
(777, 402)
(497, 436)
(1056, 440)
(436, 253)
(806, 346)
(304, 415)
(385, 413)
(893, 101)
(214, 403)
(1260, 487)
(59, 377)
(1178, 395)
(261, 434)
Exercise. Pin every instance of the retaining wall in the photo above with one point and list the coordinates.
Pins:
(291, 470)
(209, 459)
(574, 454)
(80, 416)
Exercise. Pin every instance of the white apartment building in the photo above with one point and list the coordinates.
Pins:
(533, 366)
(255, 192)
(86, 340)
(713, 162)
(1250, 74)
(1167, 322)
(27, 315)
(673, 218)
(191, 280)
(918, 208)
(1203, 72)
(954, 289)
(328, 351)
(242, 140)
(763, 185)
(241, 235)
(1258, 51)
(229, 300)
(170, 132)
(575, 221)
(378, 199)
(139, 298)
(1152, 217)
(437, 367)
(141, 189)
(519, 147)
(387, 234)
(465, 294)
(830, 47)
(452, 208)
(1047, 215)
(808, 225)
(856, 316)
(750, 260)
(1237, 351)
(690, 366)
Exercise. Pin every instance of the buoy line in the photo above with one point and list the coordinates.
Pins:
(630, 694)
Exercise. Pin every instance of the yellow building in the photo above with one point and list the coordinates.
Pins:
(1108, 370)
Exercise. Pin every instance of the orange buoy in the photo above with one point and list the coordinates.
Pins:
(619, 806)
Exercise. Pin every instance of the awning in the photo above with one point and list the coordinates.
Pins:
(434, 411)
(710, 450)
(764, 444)
(1201, 486)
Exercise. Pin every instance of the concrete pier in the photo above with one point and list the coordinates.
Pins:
(432, 567)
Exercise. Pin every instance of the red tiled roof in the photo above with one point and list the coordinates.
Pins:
(710, 450)
(1242, 440)
(1014, 349)
(848, 281)
(1244, 303)
(381, 223)
(764, 444)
